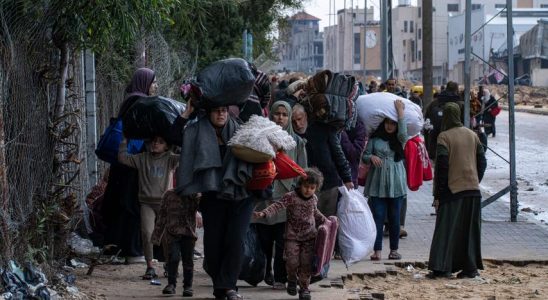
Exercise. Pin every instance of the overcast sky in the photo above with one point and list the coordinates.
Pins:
(320, 8)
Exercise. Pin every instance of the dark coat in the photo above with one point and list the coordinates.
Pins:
(353, 142)
(325, 152)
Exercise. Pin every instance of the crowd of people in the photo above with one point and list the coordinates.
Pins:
(161, 194)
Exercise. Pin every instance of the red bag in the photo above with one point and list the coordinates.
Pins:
(325, 244)
(417, 163)
(263, 176)
(363, 170)
(286, 167)
(495, 111)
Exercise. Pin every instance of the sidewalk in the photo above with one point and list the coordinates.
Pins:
(501, 240)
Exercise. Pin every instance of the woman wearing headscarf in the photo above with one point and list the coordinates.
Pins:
(121, 212)
(460, 165)
(207, 166)
(386, 184)
(271, 229)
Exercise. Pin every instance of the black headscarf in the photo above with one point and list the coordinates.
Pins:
(392, 139)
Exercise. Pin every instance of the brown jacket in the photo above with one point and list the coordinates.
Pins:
(177, 217)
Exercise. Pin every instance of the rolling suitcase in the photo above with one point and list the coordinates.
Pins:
(323, 250)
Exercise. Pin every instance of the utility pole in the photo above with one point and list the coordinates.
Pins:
(467, 57)
(364, 42)
(384, 40)
(511, 117)
(427, 52)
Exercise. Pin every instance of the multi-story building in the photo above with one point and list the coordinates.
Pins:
(346, 41)
(487, 40)
(301, 44)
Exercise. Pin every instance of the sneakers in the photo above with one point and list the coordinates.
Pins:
(278, 286)
(169, 290)
(292, 288)
(305, 295)
(187, 291)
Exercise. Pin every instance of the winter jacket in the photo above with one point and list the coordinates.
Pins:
(325, 152)
(353, 142)
(417, 163)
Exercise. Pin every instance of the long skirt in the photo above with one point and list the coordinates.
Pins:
(456, 244)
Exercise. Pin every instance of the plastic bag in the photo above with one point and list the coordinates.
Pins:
(254, 261)
(109, 143)
(357, 230)
(225, 82)
(81, 246)
(151, 116)
(374, 108)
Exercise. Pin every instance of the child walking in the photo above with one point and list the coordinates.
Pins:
(155, 168)
(303, 217)
(176, 228)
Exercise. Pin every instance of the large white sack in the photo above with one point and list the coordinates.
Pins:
(374, 108)
(357, 229)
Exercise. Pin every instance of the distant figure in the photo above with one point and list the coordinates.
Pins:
(491, 110)
(373, 87)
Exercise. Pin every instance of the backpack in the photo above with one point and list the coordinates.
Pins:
(109, 143)
(436, 114)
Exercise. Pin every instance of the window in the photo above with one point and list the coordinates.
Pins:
(404, 43)
(452, 7)
(544, 6)
(504, 5)
(420, 12)
(476, 6)
(404, 26)
(419, 55)
(413, 51)
(357, 48)
(419, 33)
(411, 26)
(404, 57)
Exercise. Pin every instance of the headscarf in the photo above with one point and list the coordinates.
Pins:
(287, 184)
(140, 83)
(486, 95)
(392, 139)
(451, 116)
(286, 105)
(139, 86)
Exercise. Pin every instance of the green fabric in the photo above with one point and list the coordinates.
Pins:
(456, 244)
(389, 180)
(451, 116)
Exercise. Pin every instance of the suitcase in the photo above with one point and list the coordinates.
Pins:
(324, 247)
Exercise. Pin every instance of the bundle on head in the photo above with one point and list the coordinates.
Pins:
(318, 83)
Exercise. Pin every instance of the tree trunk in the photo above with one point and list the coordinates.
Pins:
(427, 52)
(61, 87)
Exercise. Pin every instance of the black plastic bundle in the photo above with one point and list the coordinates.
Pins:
(151, 116)
(225, 82)
(254, 261)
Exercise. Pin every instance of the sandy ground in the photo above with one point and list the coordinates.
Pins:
(496, 282)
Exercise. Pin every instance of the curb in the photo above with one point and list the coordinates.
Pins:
(536, 111)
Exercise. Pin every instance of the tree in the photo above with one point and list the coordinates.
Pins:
(427, 52)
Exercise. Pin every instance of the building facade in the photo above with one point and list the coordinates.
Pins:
(301, 44)
(351, 47)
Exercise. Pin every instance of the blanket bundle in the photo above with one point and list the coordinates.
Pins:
(262, 137)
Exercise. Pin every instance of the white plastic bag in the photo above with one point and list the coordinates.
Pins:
(374, 108)
(357, 230)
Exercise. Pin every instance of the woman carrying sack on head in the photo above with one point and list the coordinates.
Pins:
(386, 181)
(121, 210)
